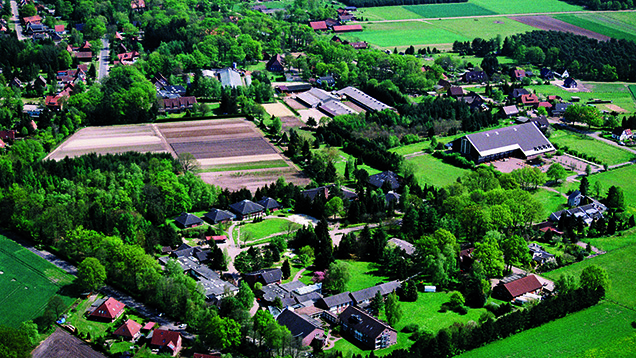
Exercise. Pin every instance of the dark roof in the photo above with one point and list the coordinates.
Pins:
(526, 137)
(456, 91)
(217, 215)
(378, 180)
(569, 82)
(311, 193)
(269, 203)
(180, 102)
(186, 220)
(368, 293)
(299, 326)
(295, 88)
(561, 107)
(270, 275)
(541, 121)
(518, 92)
(392, 196)
(246, 207)
(275, 62)
(336, 300)
(523, 285)
(362, 322)
(129, 329)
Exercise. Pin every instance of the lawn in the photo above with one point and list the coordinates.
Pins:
(386, 13)
(622, 177)
(485, 28)
(27, 282)
(602, 24)
(120, 347)
(76, 318)
(432, 171)
(618, 93)
(268, 164)
(425, 313)
(266, 228)
(411, 148)
(449, 10)
(614, 242)
(391, 34)
(604, 152)
(600, 331)
(363, 275)
(550, 200)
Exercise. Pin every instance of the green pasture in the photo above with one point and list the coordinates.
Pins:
(614, 242)
(622, 177)
(525, 6)
(602, 24)
(618, 93)
(604, 152)
(600, 331)
(27, 282)
(380, 13)
(363, 275)
(449, 10)
(550, 200)
(411, 148)
(432, 171)
(265, 228)
(485, 28)
(268, 164)
(405, 33)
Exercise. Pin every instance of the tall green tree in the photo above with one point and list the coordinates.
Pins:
(392, 309)
(245, 296)
(595, 278)
(338, 275)
(515, 251)
(490, 256)
(556, 172)
(91, 273)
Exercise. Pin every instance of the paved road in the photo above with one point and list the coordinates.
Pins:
(15, 19)
(103, 59)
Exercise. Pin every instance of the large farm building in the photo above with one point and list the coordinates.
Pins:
(524, 141)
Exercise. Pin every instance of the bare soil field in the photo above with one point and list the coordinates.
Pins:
(311, 112)
(111, 140)
(277, 110)
(616, 108)
(291, 122)
(552, 24)
(63, 345)
(294, 103)
(254, 179)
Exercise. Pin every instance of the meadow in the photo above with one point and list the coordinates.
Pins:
(27, 282)
(622, 177)
(618, 93)
(550, 200)
(449, 10)
(265, 228)
(432, 171)
(603, 24)
(604, 152)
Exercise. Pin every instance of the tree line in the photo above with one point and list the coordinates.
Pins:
(373, 3)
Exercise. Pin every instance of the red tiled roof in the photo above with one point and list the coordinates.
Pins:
(318, 25)
(179, 102)
(201, 355)
(529, 98)
(149, 326)
(545, 104)
(2, 144)
(84, 54)
(110, 309)
(137, 4)
(128, 56)
(217, 238)
(520, 73)
(162, 337)
(129, 329)
(359, 45)
(32, 19)
(118, 36)
(347, 28)
(59, 28)
(523, 285)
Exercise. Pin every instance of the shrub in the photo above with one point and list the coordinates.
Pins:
(410, 328)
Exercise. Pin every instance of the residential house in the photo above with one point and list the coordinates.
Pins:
(275, 64)
(216, 216)
(346, 28)
(246, 209)
(455, 91)
(560, 108)
(326, 80)
(36, 19)
(574, 199)
(474, 101)
(346, 17)
(368, 331)
(186, 220)
(539, 255)
(530, 100)
(318, 25)
(169, 91)
(516, 93)
(324, 190)
(547, 73)
(378, 180)
(15, 82)
(359, 45)
(108, 311)
(217, 239)
(269, 204)
(264, 276)
(166, 341)
(363, 100)
(302, 327)
(148, 326)
(392, 197)
(621, 134)
(36, 28)
(229, 77)
(177, 105)
(32, 110)
(569, 83)
(8, 135)
(475, 77)
(510, 111)
(541, 122)
(363, 297)
(330, 24)
(524, 140)
(517, 75)
(515, 286)
(127, 58)
(407, 247)
(138, 5)
(444, 84)
(336, 303)
(129, 330)
(587, 213)
(59, 29)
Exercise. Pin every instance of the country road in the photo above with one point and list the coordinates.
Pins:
(15, 19)
(104, 54)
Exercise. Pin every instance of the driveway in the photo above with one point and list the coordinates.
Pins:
(15, 19)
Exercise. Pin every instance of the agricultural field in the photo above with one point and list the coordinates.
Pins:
(603, 23)
(27, 282)
(552, 24)
(622, 177)
(111, 140)
(617, 92)
(466, 9)
(63, 344)
(432, 171)
(604, 152)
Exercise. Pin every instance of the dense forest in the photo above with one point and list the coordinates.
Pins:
(604, 4)
(372, 3)
(583, 57)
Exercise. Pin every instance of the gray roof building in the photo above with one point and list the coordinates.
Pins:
(217, 215)
(377, 180)
(246, 208)
(186, 220)
(315, 97)
(510, 111)
(364, 296)
(264, 276)
(524, 140)
(362, 99)
(366, 329)
(335, 303)
(588, 212)
(335, 108)
(269, 203)
(300, 326)
(230, 78)
(404, 245)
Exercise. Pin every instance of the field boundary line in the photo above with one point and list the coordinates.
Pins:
(164, 141)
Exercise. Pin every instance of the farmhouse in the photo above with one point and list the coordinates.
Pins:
(216, 216)
(621, 134)
(455, 91)
(269, 204)
(524, 140)
(560, 108)
(129, 330)
(346, 28)
(406, 246)
(275, 64)
(264, 276)
(378, 180)
(186, 220)
(515, 286)
(369, 331)
(362, 99)
(302, 327)
(318, 25)
(108, 311)
(166, 341)
(247, 208)
(336, 303)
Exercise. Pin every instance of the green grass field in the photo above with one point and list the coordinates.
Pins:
(268, 164)
(449, 10)
(430, 170)
(267, 227)
(618, 93)
(602, 24)
(602, 151)
(363, 275)
(550, 200)
(525, 6)
(615, 242)
(622, 177)
(27, 282)
(600, 331)
(386, 13)
(411, 148)
(77, 320)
